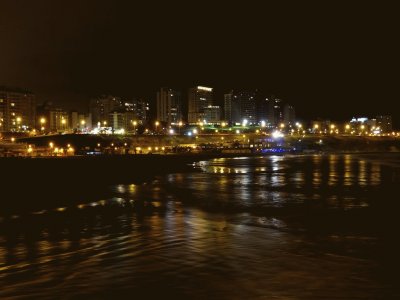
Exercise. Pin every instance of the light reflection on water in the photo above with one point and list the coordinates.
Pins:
(281, 226)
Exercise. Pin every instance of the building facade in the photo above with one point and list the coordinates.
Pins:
(101, 107)
(240, 106)
(289, 114)
(212, 114)
(17, 110)
(384, 123)
(199, 98)
(169, 106)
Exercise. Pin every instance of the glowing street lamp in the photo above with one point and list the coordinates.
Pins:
(42, 123)
(63, 122)
(134, 126)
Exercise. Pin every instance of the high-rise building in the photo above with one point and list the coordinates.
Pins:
(53, 119)
(139, 109)
(274, 111)
(17, 109)
(289, 114)
(247, 101)
(58, 120)
(212, 114)
(384, 123)
(169, 106)
(239, 106)
(199, 97)
(102, 106)
(232, 108)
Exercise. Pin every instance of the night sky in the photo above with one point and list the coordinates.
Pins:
(329, 60)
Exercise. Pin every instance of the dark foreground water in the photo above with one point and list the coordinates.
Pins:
(279, 227)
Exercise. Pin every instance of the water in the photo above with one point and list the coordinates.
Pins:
(284, 227)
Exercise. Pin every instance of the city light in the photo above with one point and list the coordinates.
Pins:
(277, 134)
(203, 88)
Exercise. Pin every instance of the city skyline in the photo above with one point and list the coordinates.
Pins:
(20, 111)
(177, 149)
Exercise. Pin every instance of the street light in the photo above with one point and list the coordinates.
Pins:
(63, 122)
(42, 123)
(134, 126)
(157, 123)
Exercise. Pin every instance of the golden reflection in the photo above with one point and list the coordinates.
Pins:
(317, 170)
(333, 176)
(277, 180)
(362, 174)
(132, 188)
(348, 175)
(298, 179)
(375, 173)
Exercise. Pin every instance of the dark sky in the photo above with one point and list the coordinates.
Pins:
(329, 59)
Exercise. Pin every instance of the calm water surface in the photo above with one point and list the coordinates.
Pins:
(284, 227)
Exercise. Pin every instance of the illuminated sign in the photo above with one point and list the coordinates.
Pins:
(203, 88)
